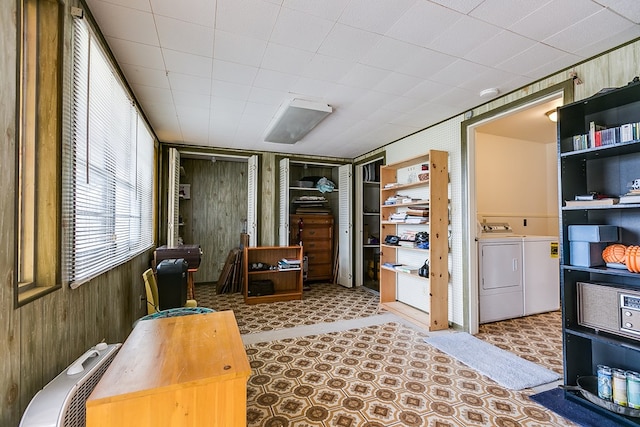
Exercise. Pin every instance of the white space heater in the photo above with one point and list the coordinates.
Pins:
(61, 403)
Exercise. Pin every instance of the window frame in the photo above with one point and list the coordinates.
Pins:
(40, 32)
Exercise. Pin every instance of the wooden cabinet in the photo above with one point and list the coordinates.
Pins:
(419, 183)
(183, 371)
(287, 284)
(317, 240)
(592, 297)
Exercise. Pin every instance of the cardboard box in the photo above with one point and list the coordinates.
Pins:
(586, 254)
(593, 233)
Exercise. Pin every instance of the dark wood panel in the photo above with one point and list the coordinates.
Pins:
(215, 214)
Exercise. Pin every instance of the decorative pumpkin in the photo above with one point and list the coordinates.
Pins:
(632, 258)
(614, 253)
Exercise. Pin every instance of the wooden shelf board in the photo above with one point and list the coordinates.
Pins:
(405, 186)
(405, 311)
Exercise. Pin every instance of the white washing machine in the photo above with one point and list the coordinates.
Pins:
(518, 275)
(500, 279)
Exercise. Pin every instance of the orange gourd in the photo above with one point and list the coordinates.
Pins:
(614, 253)
(632, 258)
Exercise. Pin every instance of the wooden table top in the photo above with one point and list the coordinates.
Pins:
(173, 351)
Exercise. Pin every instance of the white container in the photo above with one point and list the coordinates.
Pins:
(593, 233)
(586, 254)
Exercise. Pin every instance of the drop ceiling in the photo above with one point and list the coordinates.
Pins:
(214, 73)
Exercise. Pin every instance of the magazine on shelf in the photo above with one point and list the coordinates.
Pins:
(596, 202)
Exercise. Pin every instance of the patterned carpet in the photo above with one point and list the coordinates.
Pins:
(381, 375)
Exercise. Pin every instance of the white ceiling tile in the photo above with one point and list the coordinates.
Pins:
(422, 23)
(187, 63)
(553, 17)
(190, 84)
(487, 79)
(614, 39)
(427, 90)
(402, 104)
(312, 89)
(348, 43)
(201, 12)
(389, 54)
(495, 12)
(230, 90)
(425, 63)
(227, 106)
(326, 68)
(251, 18)
(564, 60)
(261, 110)
(128, 52)
(397, 84)
(136, 74)
(600, 25)
(626, 8)
(125, 23)
(190, 99)
(299, 30)
(328, 9)
(499, 48)
(234, 73)
(142, 5)
(364, 76)
(274, 80)
(374, 15)
(285, 59)
(462, 6)
(530, 59)
(460, 99)
(267, 96)
(459, 71)
(152, 95)
(236, 48)
(463, 36)
(185, 36)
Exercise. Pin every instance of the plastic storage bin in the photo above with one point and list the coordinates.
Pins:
(171, 275)
(593, 233)
(586, 254)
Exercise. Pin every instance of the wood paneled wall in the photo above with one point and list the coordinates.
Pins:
(215, 214)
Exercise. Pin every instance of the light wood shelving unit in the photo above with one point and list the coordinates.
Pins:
(423, 301)
(287, 283)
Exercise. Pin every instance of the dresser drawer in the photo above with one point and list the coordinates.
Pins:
(319, 271)
(311, 245)
(317, 256)
(324, 220)
(316, 233)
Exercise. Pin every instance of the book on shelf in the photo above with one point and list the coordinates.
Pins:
(593, 129)
(291, 260)
(592, 196)
(416, 220)
(391, 265)
(407, 268)
(595, 202)
(417, 211)
(631, 197)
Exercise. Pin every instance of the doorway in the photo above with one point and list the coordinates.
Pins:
(511, 158)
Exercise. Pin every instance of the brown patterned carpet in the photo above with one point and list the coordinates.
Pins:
(379, 375)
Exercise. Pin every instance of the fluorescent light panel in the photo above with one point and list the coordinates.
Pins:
(296, 120)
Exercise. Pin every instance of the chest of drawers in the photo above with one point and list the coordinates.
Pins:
(317, 240)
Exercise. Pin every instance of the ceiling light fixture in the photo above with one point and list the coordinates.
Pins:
(489, 93)
(552, 115)
(295, 120)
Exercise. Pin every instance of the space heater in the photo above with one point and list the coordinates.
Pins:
(61, 403)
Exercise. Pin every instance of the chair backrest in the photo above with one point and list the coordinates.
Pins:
(151, 286)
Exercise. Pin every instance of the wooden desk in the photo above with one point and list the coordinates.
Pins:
(177, 371)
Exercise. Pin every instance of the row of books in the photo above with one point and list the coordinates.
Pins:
(599, 135)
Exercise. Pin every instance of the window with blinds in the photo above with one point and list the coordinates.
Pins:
(108, 178)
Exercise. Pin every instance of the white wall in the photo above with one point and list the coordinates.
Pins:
(516, 179)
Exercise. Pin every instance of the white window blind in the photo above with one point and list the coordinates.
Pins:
(108, 178)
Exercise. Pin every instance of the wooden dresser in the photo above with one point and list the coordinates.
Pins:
(175, 371)
(317, 241)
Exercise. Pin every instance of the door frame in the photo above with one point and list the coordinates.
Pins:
(564, 90)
